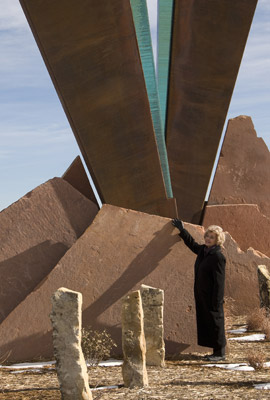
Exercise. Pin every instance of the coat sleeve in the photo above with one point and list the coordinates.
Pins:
(189, 241)
(219, 282)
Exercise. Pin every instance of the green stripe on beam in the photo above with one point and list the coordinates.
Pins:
(141, 21)
(165, 11)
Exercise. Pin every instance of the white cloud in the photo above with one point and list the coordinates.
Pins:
(5, 154)
(264, 5)
(29, 137)
(11, 15)
(21, 63)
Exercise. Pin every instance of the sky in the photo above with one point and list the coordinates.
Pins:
(36, 141)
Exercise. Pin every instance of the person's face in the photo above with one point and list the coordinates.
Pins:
(210, 239)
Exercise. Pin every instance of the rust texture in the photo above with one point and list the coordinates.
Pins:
(208, 42)
(91, 52)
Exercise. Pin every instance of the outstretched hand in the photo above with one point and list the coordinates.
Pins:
(178, 224)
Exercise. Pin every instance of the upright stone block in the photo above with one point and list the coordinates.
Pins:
(153, 303)
(66, 318)
(133, 341)
(264, 286)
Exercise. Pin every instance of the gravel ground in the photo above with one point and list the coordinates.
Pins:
(185, 378)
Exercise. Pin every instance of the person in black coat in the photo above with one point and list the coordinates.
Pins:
(208, 288)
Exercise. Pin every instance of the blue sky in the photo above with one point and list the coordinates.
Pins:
(36, 142)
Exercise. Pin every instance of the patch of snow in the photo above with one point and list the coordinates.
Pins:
(20, 371)
(238, 331)
(28, 365)
(33, 365)
(233, 367)
(256, 337)
(106, 387)
(262, 386)
(108, 363)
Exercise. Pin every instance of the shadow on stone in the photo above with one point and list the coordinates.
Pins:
(22, 273)
(142, 265)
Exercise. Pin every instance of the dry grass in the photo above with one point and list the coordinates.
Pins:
(96, 345)
(256, 320)
(259, 320)
(186, 378)
(266, 328)
(256, 360)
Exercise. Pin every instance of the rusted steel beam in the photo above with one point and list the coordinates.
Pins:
(208, 42)
(91, 52)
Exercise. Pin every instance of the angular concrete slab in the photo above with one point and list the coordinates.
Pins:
(118, 252)
(243, 172)
(36, 231)
(91, 52)
(76, 176)
(208, 41)
(247, 225)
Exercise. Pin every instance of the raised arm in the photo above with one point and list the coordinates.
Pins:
(188, 239)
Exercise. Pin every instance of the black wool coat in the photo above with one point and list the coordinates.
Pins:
(208, 292)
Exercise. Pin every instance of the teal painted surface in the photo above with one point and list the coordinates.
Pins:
(165, 15)
(141, 21)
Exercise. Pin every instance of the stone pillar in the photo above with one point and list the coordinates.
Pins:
(133, 341)
(153, 303)
(264, 286)
(66, 318)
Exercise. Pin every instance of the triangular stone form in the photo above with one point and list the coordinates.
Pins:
(36, 231)
(243, 171)
(121, 250)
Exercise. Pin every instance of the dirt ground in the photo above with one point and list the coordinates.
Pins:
(185, 378)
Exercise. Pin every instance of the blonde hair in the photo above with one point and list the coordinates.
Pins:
(218, 231)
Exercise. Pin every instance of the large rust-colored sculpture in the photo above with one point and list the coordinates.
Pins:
(208, 41)
(91, 52)
(90, 49)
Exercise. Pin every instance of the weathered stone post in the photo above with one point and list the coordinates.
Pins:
(66, 318)
(264, 286)
(153, 303)
(133, 341)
